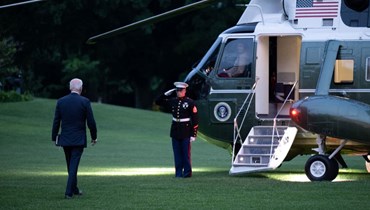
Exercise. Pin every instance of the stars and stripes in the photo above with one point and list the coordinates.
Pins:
(317, 8)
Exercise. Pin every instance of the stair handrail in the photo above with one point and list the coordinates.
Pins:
(286, 99)
(237, 128)
(275, 119)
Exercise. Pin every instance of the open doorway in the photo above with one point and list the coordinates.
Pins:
(277, 69)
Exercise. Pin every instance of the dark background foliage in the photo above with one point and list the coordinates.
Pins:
(44, 45)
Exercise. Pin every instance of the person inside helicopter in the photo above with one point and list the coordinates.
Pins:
(241, 67)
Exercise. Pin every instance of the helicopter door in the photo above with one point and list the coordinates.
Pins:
(277, 69)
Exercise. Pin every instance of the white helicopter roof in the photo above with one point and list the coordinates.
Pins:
(310, 18)
(300, 13)
(262, 10)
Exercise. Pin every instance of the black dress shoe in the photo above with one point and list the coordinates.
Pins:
(68, 197)
(79, 192)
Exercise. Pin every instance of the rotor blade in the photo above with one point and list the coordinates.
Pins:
(19, 3)
(153, 19)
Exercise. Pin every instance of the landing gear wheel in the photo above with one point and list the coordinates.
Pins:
(368, 165)
(321, 168)
(334, 169)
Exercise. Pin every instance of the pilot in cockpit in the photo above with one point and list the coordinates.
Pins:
(241, 66)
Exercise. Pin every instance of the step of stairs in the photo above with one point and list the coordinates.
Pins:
(259, 148)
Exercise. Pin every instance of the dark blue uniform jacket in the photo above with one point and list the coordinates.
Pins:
(184, 114)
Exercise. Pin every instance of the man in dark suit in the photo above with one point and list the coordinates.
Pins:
(72, 113)
(184, 126)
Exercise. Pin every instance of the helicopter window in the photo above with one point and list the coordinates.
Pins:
(236, 58)
(343, 71)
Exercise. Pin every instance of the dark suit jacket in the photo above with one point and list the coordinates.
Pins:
(72, 113)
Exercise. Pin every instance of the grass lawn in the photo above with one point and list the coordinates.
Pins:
(131, 167)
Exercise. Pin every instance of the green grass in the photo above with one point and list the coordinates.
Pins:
(131, 167)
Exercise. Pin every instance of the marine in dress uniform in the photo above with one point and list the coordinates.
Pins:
(184, 126)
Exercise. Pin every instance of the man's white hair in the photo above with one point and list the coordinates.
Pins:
(75, 85)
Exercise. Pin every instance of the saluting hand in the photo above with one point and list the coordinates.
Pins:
(169, 92)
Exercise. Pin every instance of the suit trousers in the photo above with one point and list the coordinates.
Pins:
(73, 155)
(182, 155)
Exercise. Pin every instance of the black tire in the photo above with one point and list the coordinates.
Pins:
(321, 168)
(334, 169)
(367, 164)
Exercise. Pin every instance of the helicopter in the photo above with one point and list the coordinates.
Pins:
(291, 78)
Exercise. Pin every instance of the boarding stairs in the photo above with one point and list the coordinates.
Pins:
(265, 148)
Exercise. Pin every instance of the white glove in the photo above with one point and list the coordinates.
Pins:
(169, 92)
(192, 139)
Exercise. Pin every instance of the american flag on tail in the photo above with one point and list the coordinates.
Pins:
(317, 8)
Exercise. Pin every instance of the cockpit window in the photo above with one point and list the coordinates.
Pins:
(236, 60)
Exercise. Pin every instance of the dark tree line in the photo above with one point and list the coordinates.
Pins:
(45, 44)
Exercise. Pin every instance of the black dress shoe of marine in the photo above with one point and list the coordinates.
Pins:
(79, 192)
(68, 197)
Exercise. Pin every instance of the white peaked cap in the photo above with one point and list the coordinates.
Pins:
(180, 85)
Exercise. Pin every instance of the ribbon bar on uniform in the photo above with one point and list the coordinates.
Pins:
(181, 120)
